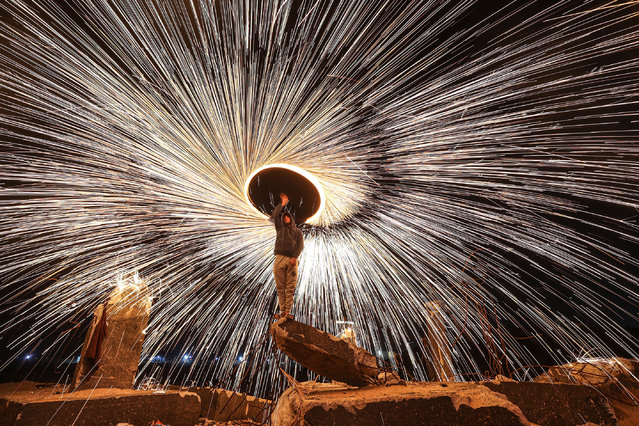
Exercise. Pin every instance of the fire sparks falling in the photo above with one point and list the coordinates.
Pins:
(458, 165)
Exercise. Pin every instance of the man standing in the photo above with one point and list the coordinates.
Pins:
(289, 243)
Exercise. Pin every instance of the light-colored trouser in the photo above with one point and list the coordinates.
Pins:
(285, 281)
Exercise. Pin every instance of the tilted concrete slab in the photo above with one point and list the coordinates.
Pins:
(324, 353)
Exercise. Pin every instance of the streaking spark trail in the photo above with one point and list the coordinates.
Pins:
(481, 159)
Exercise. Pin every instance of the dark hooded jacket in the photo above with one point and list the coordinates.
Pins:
(289, 241)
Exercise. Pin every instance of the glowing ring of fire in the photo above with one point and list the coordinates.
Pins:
(306, 175)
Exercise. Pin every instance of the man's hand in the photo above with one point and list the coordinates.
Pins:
(292, 261)
(284, 199)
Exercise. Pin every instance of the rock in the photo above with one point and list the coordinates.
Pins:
(97, 407)
(616, 378)
(220, 405)
(388, 378)
(230, 406)
(325, 354)
(442, 403)
(112, 347)
(501, 378)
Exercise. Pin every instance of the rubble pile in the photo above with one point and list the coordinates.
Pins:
(616, 378)
(365, 398)
(442, 403)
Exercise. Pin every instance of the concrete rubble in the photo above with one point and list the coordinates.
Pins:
(25, 404)
(226, 406)
(325, 354)
(360, 393)
(101, 390)
(442, 403)
(29, 403)
(113, 344)
(615, 378)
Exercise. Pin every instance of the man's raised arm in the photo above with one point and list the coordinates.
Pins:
(276, 217)
(277, 213)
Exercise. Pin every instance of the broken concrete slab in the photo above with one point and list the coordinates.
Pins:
(439, 403)
(224, 406)
(113, 344)
(616, 378)
(231, 406)
(97, 407)
(555, 404)
(325, 354)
